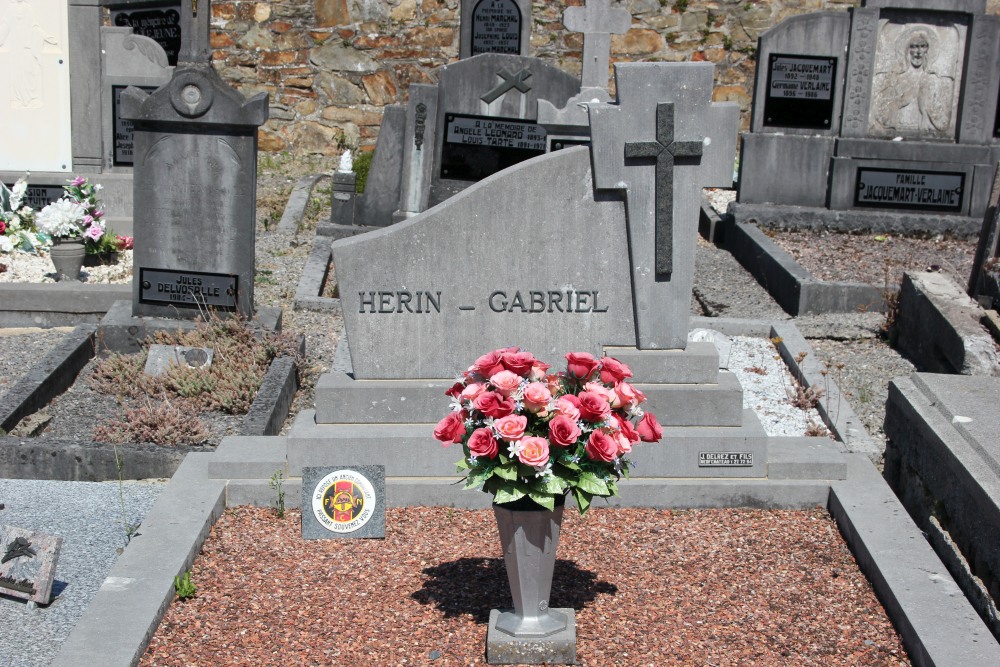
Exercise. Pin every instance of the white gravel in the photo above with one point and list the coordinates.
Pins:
(27, 268)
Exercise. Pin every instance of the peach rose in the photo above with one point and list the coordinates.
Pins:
(511, 427)
(537, 397)
(601, 447)
(625, 395)
(451, 429)
(599, 388)
(568, 406)
(533, 451)
(482, 443)
(506, 382)
(563, 431)
(472, 390)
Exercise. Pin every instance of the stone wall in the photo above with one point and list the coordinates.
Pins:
(330, 66)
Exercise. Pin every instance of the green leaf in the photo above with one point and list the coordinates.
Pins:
(463, 464)
(592, 484)
(508, 495)
(554, 485)
(582, 500)
(543, 499)
(508, 472)
(476, 479)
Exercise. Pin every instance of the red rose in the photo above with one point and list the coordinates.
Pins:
(519, 362)
(614, 371)
(456, 390)
(3, 226)
(493, 404)
(649, 429)
(482, 443)
(451, 429)
(563, 431)
(601, 447)
(593, 406)
(625, 426)
(489, 364)
(580, 365)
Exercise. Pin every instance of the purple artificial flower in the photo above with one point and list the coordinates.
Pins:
(79, 180)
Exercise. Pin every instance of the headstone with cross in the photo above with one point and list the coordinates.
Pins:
(661, 143)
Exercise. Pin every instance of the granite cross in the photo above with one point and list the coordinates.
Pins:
(664, 149)
(511, 80)
(195, 25)
(658, 103)
(597, 21)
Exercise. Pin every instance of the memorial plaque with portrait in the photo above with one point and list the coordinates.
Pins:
(159, 22)
(475, 147)
(800, 91)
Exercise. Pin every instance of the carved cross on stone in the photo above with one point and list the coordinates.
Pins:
(195, 25)
(597, 21)
(511, 80)
(664, 150)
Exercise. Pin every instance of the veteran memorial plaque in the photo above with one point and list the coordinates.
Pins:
(343, 502)
(496, 27)
(188, 288)
(799, 91)
(475, 147)
(161, 23)
(123, 139)
(910, 189)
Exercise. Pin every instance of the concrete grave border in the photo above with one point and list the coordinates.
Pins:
(57, 304)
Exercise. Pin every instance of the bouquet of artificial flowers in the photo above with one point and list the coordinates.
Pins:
(530, 433)
(17, 221)
(76, 214)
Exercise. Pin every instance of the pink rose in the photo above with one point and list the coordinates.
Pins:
(649, 429)
(538, 370)
(489, 364)
(94, 232)
(493, 404)
(537, 397)
(614, 371)
(593, 406)
(78, 181)
(563, 431)
(511, 427)
(472, 390)
(601, 447)
(599, 388)
(98, 214)
(451, 429)
(506, 382)
(455, 390)
(482, 443)
(626, 429)
(518, 362)
(568, 406)
(533, 451)
(625, 395)
(580, 365)
(624, 446)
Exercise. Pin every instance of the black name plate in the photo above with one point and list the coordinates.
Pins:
(475, 147)
(496, 27)
(910, 189)
(725, 459)
(39, 196)
(800, 91)
(188, 288)
(124, 140)
(161, 23)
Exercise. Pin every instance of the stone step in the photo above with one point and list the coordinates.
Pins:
(249, 457)
(340, 399)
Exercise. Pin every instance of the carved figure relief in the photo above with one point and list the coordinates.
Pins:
(916, 83)
(25, 40)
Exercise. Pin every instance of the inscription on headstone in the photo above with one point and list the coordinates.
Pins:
(159, 22)
(909, 189)
(496, 27)
(122, 156)
(725, 459)
(800, 91)
(475, 147)
(188, 288)
(40, 196)
(28, 563)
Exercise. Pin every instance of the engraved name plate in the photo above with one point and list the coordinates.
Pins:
(188, 288)
(725, 459)
(496, 27)
(909, 189)
(475, 147)
(800, 91)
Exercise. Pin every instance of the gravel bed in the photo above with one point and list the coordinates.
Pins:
(88, 517)
(24, 268)
(21, 348)
(650, 587)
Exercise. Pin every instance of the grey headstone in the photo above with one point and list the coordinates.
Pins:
(28, 563)
(419, 139)
(343, 502)
(495, 26)
(375, 206)
(195, 187)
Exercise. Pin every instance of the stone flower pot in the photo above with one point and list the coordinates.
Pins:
(67, 257)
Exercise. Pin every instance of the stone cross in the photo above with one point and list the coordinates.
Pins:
(597, 21)
(664, 149)
(195, 25)
(510, 81)
(658, 102)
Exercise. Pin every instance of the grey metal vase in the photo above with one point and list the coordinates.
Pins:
(529, 539)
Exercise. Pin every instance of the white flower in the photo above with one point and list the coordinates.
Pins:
(61, 218)
(6, 244)
(17, 193)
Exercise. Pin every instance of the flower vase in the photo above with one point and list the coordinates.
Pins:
(67, 257)
(529, 538)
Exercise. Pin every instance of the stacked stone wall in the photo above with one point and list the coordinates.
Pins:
(331, 66)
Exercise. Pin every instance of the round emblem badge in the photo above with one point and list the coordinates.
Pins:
(343, 501)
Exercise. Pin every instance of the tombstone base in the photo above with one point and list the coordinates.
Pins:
(119, 331)
(558, 649)
(854, 220)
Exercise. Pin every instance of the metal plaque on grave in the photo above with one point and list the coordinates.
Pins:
(28, 563)
(725, 459)
(188, 289)
(40, 196)
(909, 189)
(475, 147)
(122, 155)
(159, 22)
(496, 27)
(800, 91)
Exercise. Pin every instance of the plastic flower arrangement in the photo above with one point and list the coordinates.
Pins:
(17, 221)
(530, 433)
(76, 214)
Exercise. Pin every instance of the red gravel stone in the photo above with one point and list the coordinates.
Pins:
(650, 587)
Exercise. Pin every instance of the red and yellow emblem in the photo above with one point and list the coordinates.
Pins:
(343, 501)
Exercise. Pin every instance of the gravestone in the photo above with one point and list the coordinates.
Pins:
(555, 254)
(28, 563)
(881, 117)
(195, 176)
(984, 278)
(157, 20)
(495, 26)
